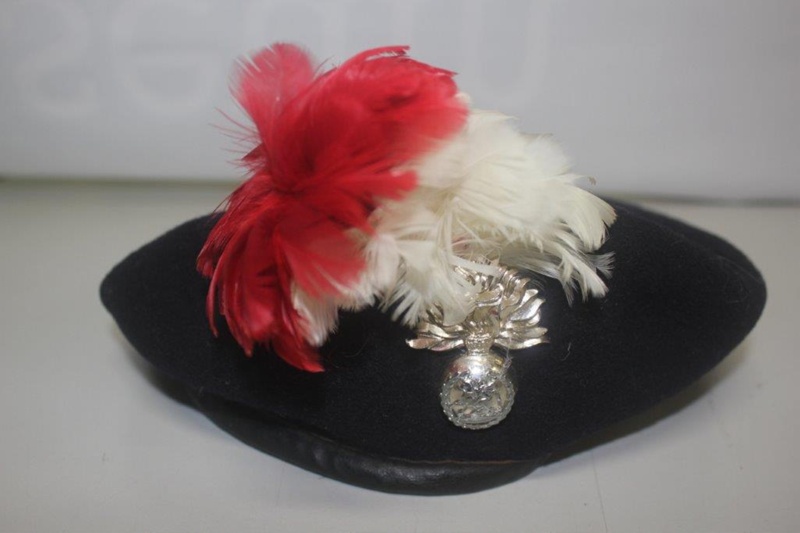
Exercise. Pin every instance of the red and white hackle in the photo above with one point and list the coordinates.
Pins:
(368, 184)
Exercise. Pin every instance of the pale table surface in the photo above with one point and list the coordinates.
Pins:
(91, 443)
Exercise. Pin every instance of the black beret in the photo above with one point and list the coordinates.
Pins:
(679, 301)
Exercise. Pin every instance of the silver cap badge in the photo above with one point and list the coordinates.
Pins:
(478, 388)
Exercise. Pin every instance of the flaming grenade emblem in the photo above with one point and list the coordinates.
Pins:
(478, 389)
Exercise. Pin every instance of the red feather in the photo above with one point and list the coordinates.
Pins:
(329, 150)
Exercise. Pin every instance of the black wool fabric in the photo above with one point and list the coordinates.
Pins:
(679, 300)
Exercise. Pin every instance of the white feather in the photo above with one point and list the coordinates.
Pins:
(495, 194)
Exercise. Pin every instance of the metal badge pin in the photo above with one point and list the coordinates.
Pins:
(478, 388)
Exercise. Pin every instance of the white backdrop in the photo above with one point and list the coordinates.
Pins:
(678, 97)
